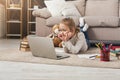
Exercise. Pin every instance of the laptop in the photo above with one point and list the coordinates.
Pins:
(43, 47)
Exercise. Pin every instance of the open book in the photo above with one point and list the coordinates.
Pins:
(89, 56)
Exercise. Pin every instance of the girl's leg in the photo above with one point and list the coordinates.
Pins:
(87, 38)
(86, 34)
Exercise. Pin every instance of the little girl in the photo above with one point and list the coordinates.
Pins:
(73, 41)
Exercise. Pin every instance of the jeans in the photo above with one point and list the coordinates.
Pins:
(86, 36)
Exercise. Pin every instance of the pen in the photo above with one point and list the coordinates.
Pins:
(103, 46)
(97, 46)
(109, 47)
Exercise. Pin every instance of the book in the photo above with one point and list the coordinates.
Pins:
(25, 39)
(24, 46)
(115, 47)
(113, 54)
(24, 49)
(89, 56)
(24, 42)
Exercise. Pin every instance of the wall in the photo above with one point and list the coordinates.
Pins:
(41, 2)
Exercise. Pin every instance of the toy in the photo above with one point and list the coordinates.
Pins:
(57, 41)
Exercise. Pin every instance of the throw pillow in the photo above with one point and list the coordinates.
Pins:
(59, 8)
(80, 5)
(71, 11)
(44, 13)
(55, 7)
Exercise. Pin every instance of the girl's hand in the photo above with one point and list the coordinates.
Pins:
(61, 36)
(65, 36)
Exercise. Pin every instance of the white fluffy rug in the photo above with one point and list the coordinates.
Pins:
(14, 54)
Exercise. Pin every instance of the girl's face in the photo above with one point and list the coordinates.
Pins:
(65, 32)
(63, 28)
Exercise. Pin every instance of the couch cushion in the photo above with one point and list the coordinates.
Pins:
(119, 9)
(80, 5)
(56, 20)
(101, 8)
(105, 21)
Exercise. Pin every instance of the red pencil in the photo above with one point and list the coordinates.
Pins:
(110, 46)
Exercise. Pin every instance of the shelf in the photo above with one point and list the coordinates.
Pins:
(31, 9)
(14, 18)
(14, 8)
(32, 22)
(13, 34)
(14, 21)
(32, 32)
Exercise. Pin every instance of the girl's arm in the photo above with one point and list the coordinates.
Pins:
(80, 43)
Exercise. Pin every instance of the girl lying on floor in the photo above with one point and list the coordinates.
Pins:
(73, 40)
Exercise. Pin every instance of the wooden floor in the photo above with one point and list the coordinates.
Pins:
(30, 71)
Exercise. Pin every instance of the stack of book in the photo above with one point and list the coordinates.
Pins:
(116, 48)
(115, 51)
(24, 46)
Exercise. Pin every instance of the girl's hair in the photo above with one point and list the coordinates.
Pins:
(70, 23)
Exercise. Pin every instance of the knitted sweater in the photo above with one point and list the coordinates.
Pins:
(76, 44)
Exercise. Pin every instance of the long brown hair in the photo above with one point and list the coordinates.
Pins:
(71, 24)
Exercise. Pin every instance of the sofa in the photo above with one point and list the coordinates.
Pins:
(102, 16)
